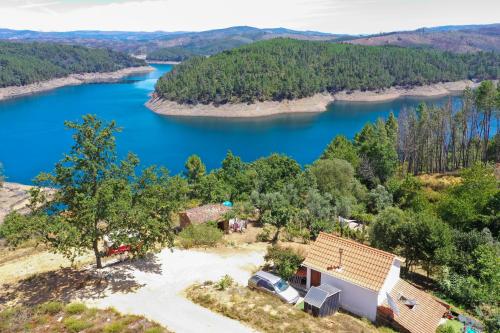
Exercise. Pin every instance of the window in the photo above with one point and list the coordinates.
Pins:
(281, 285)
(266, 285)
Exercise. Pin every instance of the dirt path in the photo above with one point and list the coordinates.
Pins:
(164, 279)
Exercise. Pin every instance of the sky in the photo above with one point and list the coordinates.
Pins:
(334, 16)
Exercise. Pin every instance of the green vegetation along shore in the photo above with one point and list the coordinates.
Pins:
(286, 69)
(26, 63)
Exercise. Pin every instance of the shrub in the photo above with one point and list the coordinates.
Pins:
(267, 233)
(225, 282)
(444, 328)
(75, 325)
(285, 261)
(156, 329)
(200, 235)
(51, 308)
(115, 327)
(75, 308)
(320, 225)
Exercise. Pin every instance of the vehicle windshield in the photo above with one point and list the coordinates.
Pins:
(281, 285)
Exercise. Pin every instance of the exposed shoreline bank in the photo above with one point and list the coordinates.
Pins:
(160, 62)
(70, 80)
(314, 104)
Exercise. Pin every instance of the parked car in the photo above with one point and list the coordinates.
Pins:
(275, 285)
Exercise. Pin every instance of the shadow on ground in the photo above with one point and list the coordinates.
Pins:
(67, 284)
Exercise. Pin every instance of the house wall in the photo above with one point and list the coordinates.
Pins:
(353, 298)
(390, 281)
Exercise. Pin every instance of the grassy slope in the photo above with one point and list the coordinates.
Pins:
(75, 317)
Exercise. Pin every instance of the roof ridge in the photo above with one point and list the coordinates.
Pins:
(353, 242)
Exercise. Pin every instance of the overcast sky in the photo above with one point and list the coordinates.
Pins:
(335, 16)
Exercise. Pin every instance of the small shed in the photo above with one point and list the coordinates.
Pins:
(204, 214)
(322, 301)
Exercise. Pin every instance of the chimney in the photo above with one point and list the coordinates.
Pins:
(340, 259)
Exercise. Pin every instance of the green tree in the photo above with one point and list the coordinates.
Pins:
(377, 149)
(97, 196)
(285, 261)
(195, 169)
(465, 205)
(333, 176)
(385, 230)
(274, 172)
(379, 199)
(342, 148)
(212, 189)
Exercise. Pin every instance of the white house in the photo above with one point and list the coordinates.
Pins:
(366, 276)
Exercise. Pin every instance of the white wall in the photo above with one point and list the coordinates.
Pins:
(390, 281)
(355, 299)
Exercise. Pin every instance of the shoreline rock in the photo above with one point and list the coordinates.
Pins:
(314, 104)
(16, 197)
(161, 62)
(70, 80)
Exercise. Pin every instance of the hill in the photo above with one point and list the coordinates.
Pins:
(460, 39)
(177, 43)
(287, 69)
(26, 63)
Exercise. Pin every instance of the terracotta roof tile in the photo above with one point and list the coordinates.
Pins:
(362, 265)
(423, 317)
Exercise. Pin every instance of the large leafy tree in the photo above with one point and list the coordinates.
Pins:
(343, 149)
(471, 204)
(98, 196)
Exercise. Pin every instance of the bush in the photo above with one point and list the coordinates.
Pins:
(200, 235)
(267, 233)
(75, 325)
(225, 282)
(50, 308)
(75, 308)
(154, 330)
(445, 328)
(115, 327)
(285, 261)
(320, 225)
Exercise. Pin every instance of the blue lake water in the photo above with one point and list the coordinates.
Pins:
(33, 136)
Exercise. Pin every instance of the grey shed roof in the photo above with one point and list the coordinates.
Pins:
(316, 296)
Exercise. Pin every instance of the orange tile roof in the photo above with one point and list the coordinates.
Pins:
(423, 317)
(362, 265)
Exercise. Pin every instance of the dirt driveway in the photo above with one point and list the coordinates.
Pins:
(165, 276)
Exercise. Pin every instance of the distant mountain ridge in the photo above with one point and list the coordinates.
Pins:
(459, 39)
(181, 44)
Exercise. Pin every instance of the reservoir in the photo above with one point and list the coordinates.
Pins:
(33, 136)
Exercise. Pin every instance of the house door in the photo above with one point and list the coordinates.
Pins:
(315, 278)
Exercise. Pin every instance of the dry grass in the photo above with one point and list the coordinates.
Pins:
(72, 318)
(438, 181)
(268, 314)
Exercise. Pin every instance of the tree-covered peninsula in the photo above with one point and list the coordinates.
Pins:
(283, 69)
(25, 63)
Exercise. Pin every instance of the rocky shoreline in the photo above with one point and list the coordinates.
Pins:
(70, 80)
(313, 104)
(16, 197)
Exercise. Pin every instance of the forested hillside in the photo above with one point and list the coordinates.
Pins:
(288, 69)
(170, 54)
(25, 63)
